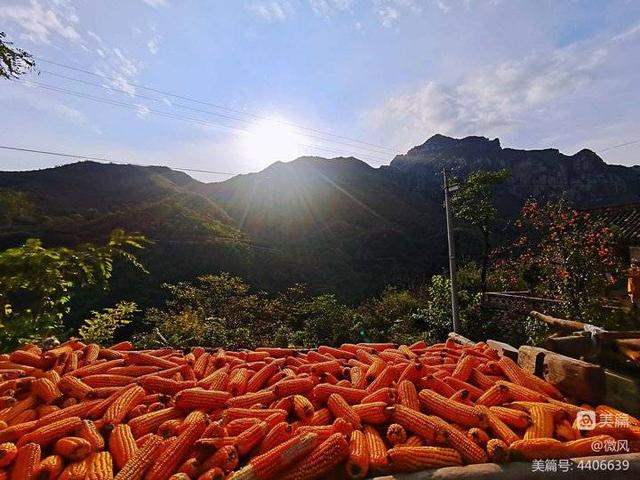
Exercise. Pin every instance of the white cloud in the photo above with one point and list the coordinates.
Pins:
(389, 11)
(498, 98)
(273, 10)
(156, 3)
(39, 20)
(327, 8)
(153, 44)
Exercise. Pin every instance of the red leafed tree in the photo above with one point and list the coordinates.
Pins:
(565, 254)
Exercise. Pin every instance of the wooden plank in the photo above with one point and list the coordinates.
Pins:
(622, 392)
(579, 380)
(504, 349)
(460, 339)
(573, 346)
(530, 358)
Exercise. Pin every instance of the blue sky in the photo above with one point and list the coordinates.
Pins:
(390, 73)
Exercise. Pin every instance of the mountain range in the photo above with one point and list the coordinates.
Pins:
(338, 225)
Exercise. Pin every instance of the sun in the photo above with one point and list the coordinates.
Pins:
(271, 140)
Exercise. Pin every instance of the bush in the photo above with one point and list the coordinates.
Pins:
(102, 326)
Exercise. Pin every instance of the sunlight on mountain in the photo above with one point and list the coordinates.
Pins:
(272, 140)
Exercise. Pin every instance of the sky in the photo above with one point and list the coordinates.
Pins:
(232, 86)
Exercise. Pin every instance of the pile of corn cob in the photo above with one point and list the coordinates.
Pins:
(81, 411)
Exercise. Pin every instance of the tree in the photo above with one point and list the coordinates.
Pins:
(102, 326)
(37, 283)
(474, 202)
(13, 61)
(565, 254)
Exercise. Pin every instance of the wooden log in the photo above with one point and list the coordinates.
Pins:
(530, 358)
(558, 323)
(504, 349)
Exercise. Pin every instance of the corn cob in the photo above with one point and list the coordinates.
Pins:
(497, 394)
(373, 413)
(293, 386)
(541, 423)
(20, 406)
(217, 380)
(225, 458)
(72, 448)
(239, 425)
(141, 358)
(497, 450)
(340, 408)
(244, 401)
(452, 411)
(26, 462)
(50, 468)
(238, 379)
(75, 471)
(107, 380)
(456, 439)
(536, 448)
(322, 417)
(322, 391)
(262, 414)
(474, 392)
(521, 393)
(74, 387)
(321, 461)
(257, 381)
(118, 410)
(437, 385)
(122, 445)
(213, 474)
(149, 422)
(615, 413)
(15, 432)
(375, 369)
(251, 437)
(512, 417)
(396, 434)
(191, 467)
(100, 467)
(414, 441)
(269, 465)
(412, 459)
(90, 433)
(303, 408)
(478, 436)
(50, 433)
(565, 431)
(140, 462)
(358, 462)
(461, 396)
(176, 453)
(498, 427)
(8, 452)
(463, 368)
(46, 390)
(386, 394)
(376, 448)
(197, 398)
(408, 396)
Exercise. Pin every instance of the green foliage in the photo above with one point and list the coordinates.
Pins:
(13, 206)
(13, 61)
(474, 203)
(37, 283)
(102, 326)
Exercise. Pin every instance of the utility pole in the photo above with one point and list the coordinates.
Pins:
(452, 252)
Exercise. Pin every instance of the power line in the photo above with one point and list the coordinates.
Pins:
(632, 142)
(174, 116)
(214, 105)
(102, 159)
(199, 110)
